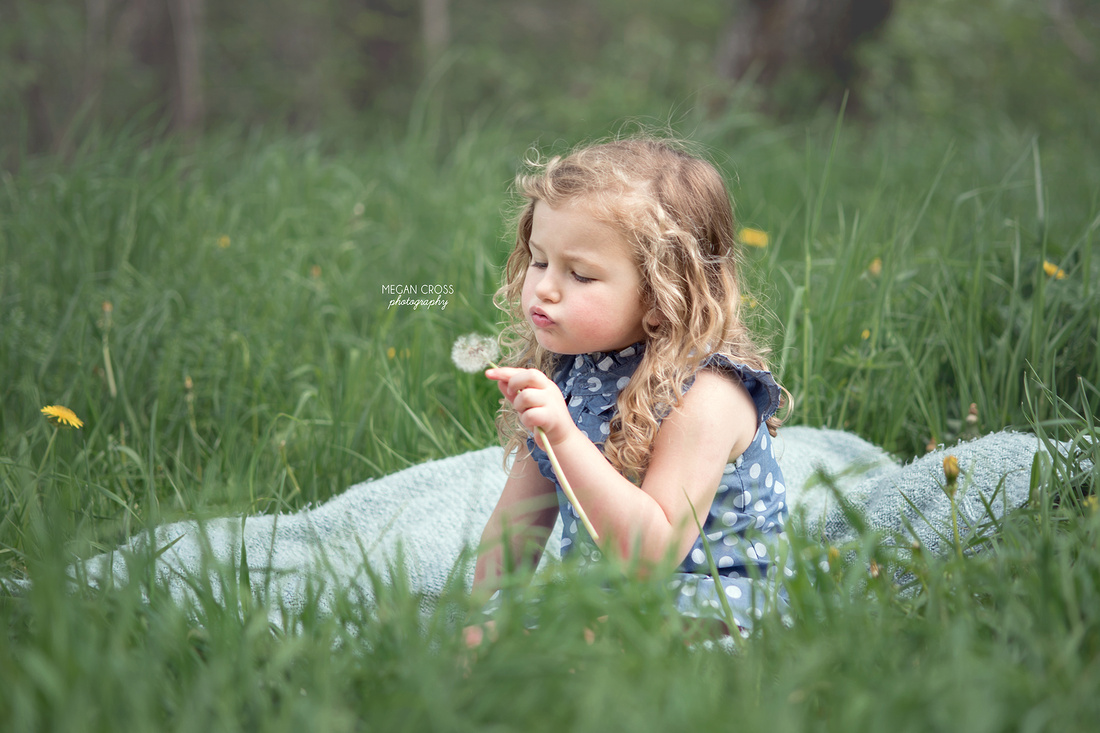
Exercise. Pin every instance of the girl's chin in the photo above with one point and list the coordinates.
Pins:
(555, 345)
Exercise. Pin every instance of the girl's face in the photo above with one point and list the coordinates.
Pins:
(582, 290)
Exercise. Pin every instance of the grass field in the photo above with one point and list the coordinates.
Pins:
(217, 316)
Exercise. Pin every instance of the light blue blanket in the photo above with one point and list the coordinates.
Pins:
(433, 512)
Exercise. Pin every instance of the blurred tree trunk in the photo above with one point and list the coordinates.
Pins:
(435, 23)
(95, 50)
(187, 16)
(1066, 21)
(768, 38)
(33, 97)
(115, 39)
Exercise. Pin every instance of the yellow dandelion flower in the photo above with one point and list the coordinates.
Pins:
(753, 237)
(223, 241)
(951, 469)
(875, 268)
(391, 352)
(866, 334)
(62, 416)
(1052, 270)
(1092, 503)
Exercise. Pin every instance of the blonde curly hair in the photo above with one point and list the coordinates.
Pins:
(675, 211)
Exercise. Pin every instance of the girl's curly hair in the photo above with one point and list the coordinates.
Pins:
(674, 209)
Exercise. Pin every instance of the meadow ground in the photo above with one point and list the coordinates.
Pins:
(220, 318)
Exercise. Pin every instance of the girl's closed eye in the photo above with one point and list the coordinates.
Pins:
(576, 275)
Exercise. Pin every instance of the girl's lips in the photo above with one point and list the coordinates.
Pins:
(540, 319)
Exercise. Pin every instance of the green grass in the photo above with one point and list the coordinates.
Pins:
(271, 373)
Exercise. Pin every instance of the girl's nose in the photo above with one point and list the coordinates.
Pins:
(547, 288)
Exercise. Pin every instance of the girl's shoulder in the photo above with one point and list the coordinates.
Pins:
(760, 384)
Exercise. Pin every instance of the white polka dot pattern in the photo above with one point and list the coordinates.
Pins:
(745, 517)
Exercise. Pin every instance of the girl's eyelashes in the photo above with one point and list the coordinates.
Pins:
(579, 278)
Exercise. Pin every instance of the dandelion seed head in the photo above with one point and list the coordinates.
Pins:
(473, 352)
(62, 416)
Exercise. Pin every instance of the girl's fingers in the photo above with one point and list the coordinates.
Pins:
(522, 378)
(475, 635)
(535, 398)
(512, 381)
(508, 394)
(528, 399)
(533, 418)
(500, 374)
(503, 382)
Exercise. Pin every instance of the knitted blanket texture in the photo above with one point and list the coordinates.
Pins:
(425, 521)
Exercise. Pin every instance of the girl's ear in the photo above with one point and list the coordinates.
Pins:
(654, 318)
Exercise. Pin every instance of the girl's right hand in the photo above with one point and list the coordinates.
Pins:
(537, 399)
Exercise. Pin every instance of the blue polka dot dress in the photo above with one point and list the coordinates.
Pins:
(744, 527)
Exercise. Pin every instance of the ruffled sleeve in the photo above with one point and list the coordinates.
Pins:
(762, 387)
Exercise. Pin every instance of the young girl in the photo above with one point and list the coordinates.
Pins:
(623, 286)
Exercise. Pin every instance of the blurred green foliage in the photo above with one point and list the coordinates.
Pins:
(360, 65)
(250, 361)
(1038, 63)
(346, 64)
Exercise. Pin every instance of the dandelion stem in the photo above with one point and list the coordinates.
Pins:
(49, 446)
(565, 485)
(473, 352)
(955, 527)
(108, 370)
(562, 480)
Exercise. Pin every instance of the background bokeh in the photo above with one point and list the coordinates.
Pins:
(356, 66)
(201, 207)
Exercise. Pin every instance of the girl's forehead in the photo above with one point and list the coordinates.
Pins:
(613, 212)
(570, 220)
(576, 233)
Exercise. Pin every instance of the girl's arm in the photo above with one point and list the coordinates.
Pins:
(714, 423)
(524, 514)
